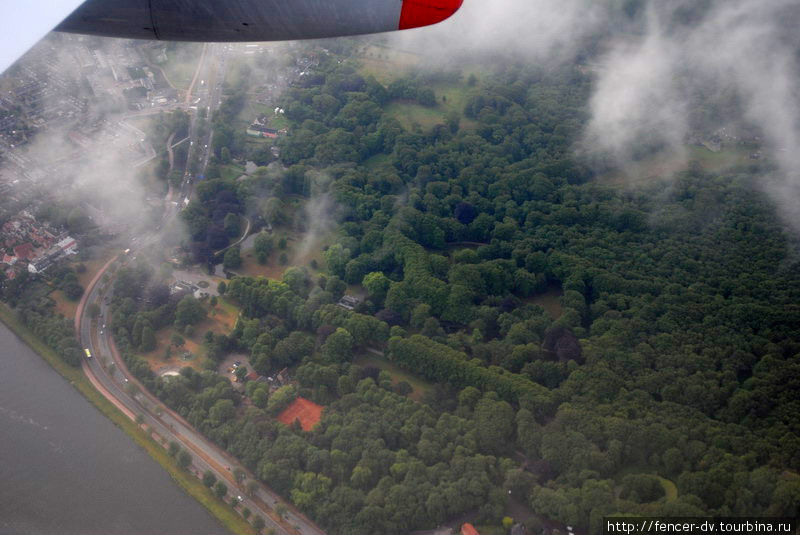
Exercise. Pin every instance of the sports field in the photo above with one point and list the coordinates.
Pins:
(308, 412)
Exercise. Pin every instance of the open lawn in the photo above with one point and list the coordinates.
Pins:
(278, 121)
(410, 113)
(155, 358)
(251, 268)
(450, 98)
(670, 489)
(300, 250)
(221, 320)
(93, 265)
(717, 161)
(231, 171)
(253, 109)
(385, 63)
(64, 306)
(377, 161)
(549, 300)
(664, 165)
(398, 374)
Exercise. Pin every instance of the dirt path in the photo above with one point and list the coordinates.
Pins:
(169, 151)
(240, 240)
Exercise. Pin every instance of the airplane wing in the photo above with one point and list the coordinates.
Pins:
(252, 20)
(23, 23)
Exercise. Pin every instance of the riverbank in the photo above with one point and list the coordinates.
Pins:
(192, 486)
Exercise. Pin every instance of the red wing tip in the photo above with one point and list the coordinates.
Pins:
(418, 13)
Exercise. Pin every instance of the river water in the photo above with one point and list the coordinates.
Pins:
(65, 469)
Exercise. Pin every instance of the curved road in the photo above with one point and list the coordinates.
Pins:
(122, 389)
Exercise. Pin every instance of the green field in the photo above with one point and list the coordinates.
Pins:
(231, 171)
(377, 161)
(664, 165)
(669, 486)
(670, 489)
(717, 161)
(387, 64)
(420, 386)
(410, 113)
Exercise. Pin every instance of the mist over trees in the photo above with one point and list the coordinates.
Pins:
(670, 360)
(590, 346)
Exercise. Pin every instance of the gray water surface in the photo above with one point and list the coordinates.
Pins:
(66, 469)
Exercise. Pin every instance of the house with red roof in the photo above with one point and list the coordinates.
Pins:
(24, 251)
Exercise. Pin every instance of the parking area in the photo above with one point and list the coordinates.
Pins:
(207, 283)
(227, 368)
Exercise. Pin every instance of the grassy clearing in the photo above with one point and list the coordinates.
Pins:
(229, 519)
(409, 113)
(251, 268)
(377, 161)
(717, 161)
(450, 98)
(670, 489)
(398, 374)
(278, 121)
(664, 165)
(301, 250)
(93, 265)
(64, 305)
(549, 300)
(231, 171)
(221, 320)
(386, 63)
(252, 109)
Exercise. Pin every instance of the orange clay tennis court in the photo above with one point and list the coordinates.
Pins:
(308, 412)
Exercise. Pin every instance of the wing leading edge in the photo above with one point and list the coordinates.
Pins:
(252, 20)
(23, 23)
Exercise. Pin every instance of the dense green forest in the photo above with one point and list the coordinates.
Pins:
(673, 363)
